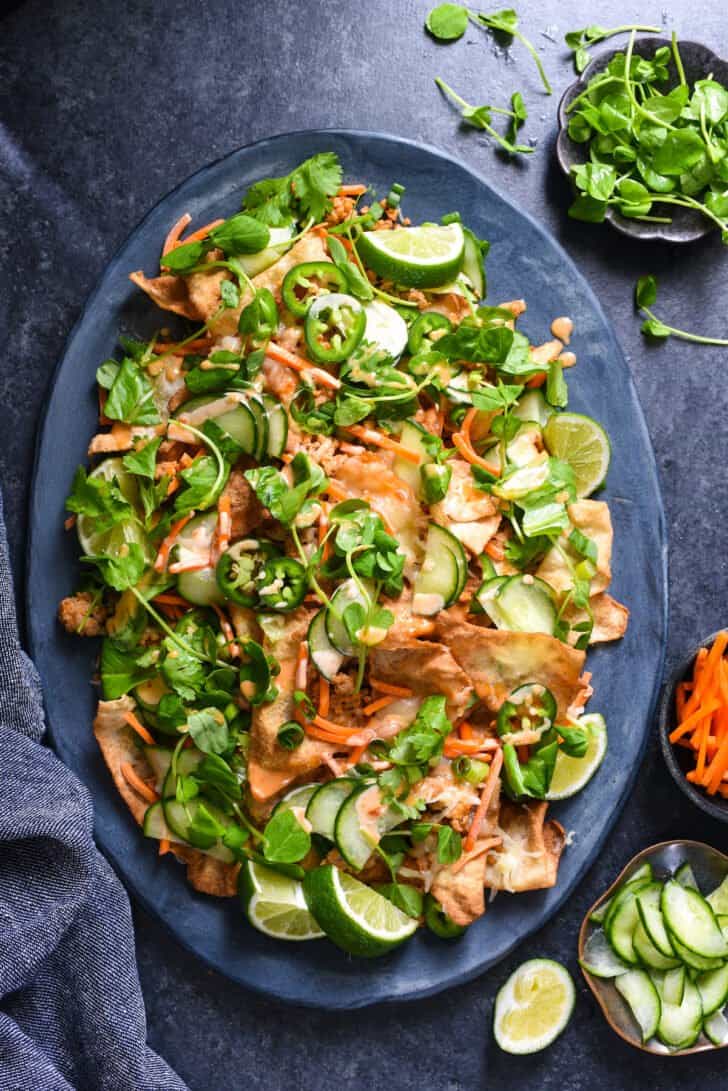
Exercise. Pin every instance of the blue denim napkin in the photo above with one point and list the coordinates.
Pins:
(71, 1010)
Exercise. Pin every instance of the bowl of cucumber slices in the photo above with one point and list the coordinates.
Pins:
(654, 950)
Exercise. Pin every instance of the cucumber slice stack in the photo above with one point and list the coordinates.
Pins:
(665, 946)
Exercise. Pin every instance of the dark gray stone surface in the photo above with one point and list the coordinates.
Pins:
(106, 106)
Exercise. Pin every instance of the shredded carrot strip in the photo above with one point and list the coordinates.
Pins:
(166, 546)
(454, 747)
(485, 845)
(227, 630)
(354, 190)
(325, 736)
(169, 598)
(357, 755)
(297, 363)
(375, 706)
(387, 687)
(324, 697)
(201, 233)
(536, 380)
(377, 439)
(693, 720)
(174, 233)
(485, 798)
(337, 491)
(465, 730)
(224, 528)
(188, 566)
(140, 729)
(164, 846)
(327, 725)
(471, 455)
(135, 781)
(494, 550)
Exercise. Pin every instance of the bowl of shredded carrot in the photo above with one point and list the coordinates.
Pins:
(694, 726)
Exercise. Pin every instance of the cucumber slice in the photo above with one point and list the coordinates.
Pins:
(642, 875)
(715, 1028)
(297, 797)
(486, 598)
(673, 985)
(648, 905)
(621, 894)
(325, 803)
(193, 546)
(695, 963)
(238, 421)
(686, 877)
(473, 264)
(355, 833)
(599, 958)
(278, 243)
(160, 759)
(713, 989)
(691, 920)
(344, 595)
(154, 824)
(258, 409)
(277, 426)
(148, 694)
(458, 389)
(718, 898)
(179, 816)
(680, 1024)
(648, 954)
(527, 604)
(187, 762)
(444, 572)
(411, 437)
(643, 999)
(532, 406)
(325, 657)
(385, 328)
(620, 927)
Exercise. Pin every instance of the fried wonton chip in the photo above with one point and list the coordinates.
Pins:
(168, 292)
(308, 248)
(497, 662)
(529, 857)
(119, 746)
(270, 766)
(461, 893)
(425, 668)
(610, 618)
(592, 518)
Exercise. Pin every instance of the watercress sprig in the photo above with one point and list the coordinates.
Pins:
(480, 118)
(645, 296)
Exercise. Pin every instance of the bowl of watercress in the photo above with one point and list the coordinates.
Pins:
(644, 140)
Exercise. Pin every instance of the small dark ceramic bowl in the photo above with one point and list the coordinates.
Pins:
(710, 867)
(678, 758)
(698, 62)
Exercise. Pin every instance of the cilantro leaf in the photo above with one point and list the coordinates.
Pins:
(142, 462)
(304, 193)
(120, 671)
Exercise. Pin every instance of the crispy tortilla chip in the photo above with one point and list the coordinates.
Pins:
(497, 662)
(610, 618)
(461, 895)
(532, 847)
(592, 518)
(119, 745)
(424, 667)
(270, 767)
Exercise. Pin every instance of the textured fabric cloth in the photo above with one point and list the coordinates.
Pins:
(71, 1010)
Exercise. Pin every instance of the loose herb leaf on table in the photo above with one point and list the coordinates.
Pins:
(645, 296)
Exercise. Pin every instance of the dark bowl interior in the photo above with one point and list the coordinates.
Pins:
(698, 62)
(676, 757)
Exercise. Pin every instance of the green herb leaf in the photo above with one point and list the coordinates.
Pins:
(449, 845)
(447, 22)
(209, 731)
(120, 671)
(142, 462)
(286, 841)
(131, 397)
(241, 234)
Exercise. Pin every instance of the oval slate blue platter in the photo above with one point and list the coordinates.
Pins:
(524, 261)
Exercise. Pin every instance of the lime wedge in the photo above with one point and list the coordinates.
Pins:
(533, 1007)
(418, 257)
(571, 774)
(275, 904)
(354, 916)
(116, 541)
(583, 444)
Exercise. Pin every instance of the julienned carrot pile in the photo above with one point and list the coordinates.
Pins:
(702, 713)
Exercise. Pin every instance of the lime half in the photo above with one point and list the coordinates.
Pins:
(354, 916)
(571, 774)
(418, 257)
(275, 904)
(583, 444)
(116, 541)
(533, 1007)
